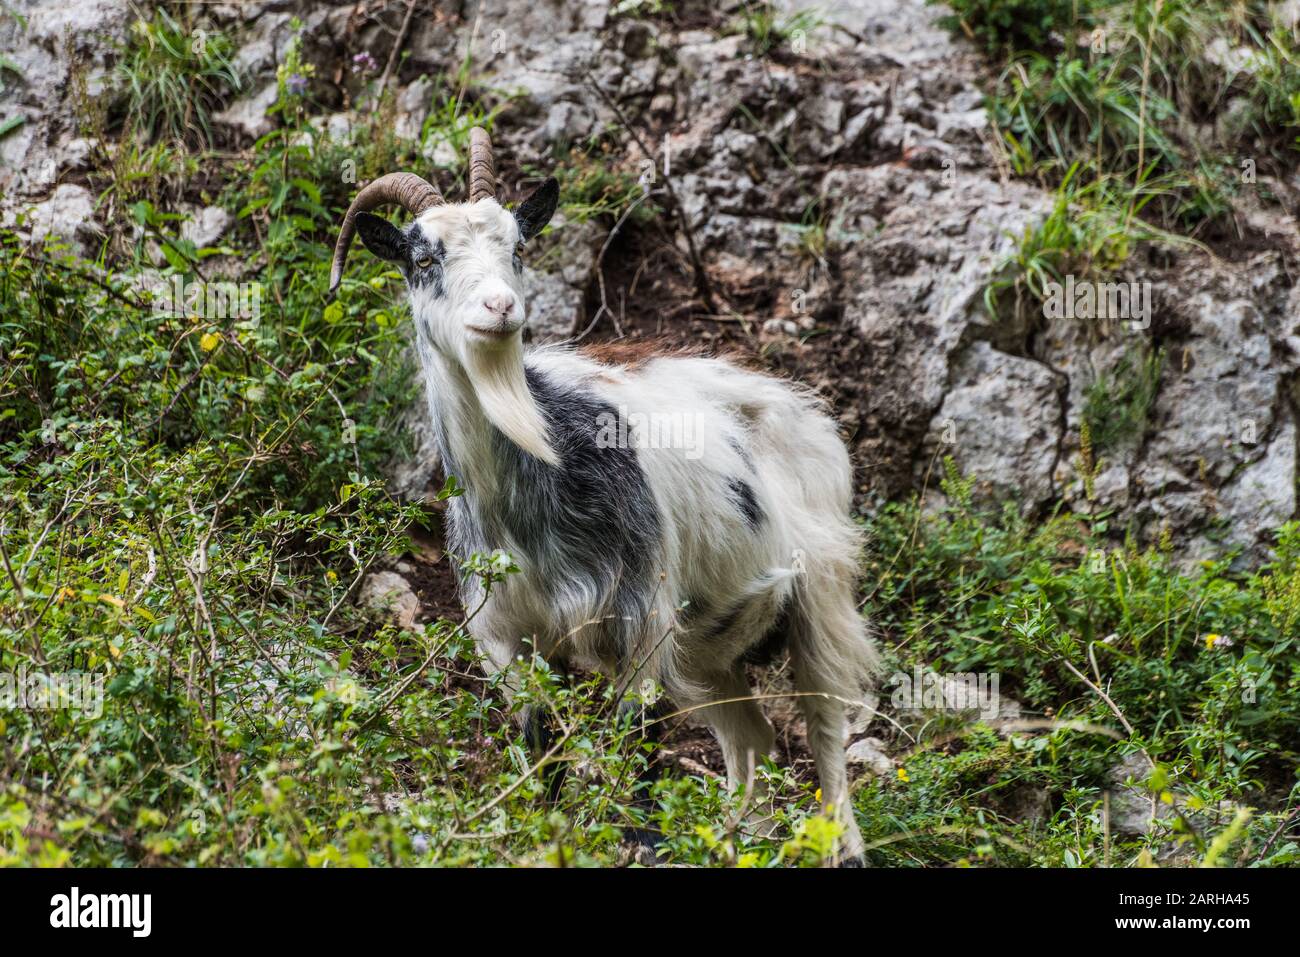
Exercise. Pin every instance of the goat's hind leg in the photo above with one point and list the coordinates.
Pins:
(822, 703)
(738, 722)
(826, 733)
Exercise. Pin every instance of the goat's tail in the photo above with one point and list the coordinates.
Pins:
(832, 649)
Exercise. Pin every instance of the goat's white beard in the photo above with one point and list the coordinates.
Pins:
(497, 377)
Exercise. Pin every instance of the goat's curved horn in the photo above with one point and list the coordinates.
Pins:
(482, 167)
(407, 190)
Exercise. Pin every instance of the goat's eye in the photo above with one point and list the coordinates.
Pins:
(424, 262)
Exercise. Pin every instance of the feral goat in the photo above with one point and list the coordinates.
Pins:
(640, 558)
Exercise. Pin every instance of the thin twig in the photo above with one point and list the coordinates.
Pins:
(600, 259)
(1268, 845)
(703, 287)
(392, 56)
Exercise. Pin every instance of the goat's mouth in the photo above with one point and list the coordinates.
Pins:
(495, 333)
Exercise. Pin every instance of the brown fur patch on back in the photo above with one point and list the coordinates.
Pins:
(631, 353)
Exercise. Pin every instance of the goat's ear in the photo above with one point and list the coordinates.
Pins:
(536, 211)
(381, 237)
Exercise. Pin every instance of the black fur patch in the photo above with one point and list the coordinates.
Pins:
(596, 503)
(743, 495)
(419, 247)
(728, 619)
(405, 247)
(591, 521)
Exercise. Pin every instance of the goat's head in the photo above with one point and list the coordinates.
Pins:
(464, 278)
(460, 260)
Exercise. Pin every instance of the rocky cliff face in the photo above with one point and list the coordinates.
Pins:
(849, 208)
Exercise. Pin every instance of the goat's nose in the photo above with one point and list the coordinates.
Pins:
(499, 306)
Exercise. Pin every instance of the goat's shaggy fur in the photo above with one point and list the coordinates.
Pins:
(665, 559)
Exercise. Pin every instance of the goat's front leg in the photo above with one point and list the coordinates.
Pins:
(509, 658)
(539, 732)
(643, 723)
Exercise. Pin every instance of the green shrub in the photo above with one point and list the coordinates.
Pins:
(1201, 666)
(1002, 26)
(1275, 87)
(170, 79)
(1117, 405)
(591, 189)
(768, 29)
